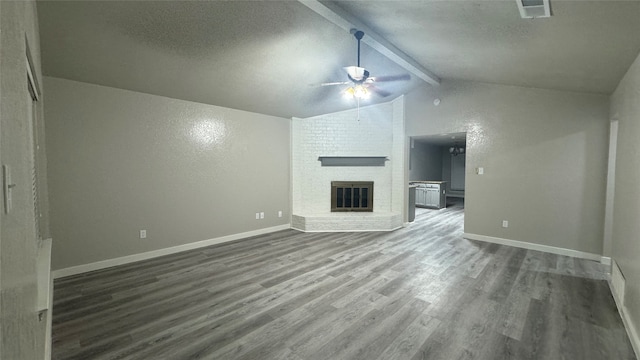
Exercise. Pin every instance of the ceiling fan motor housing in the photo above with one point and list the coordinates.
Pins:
(357, 74)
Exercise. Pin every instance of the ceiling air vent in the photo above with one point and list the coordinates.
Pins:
(531, 9)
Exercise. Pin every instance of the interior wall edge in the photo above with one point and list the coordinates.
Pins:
(537, 247)
(103, 264)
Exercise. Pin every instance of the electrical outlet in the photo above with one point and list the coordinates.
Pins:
(261, 215)
(257, 216)
(280, 213)
(143, 234)
(505, 223)
(480, 171)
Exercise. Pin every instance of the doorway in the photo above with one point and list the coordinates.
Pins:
(439, 158)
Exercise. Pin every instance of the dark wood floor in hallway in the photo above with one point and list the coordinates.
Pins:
(422, 292)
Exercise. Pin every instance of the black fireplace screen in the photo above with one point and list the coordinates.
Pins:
(352, 196)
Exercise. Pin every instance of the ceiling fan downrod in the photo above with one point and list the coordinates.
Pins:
(359, 35)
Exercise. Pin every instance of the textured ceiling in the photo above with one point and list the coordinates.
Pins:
(585, 46)
(266, 56)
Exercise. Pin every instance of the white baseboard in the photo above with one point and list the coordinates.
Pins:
(348, 231)
(48, 339)
(634, 338)
(532, 246)
(43, 266)
(79, 269)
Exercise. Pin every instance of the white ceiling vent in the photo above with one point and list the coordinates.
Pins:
(531, 9)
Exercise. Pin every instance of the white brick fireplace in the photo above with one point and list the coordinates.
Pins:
(379, 132)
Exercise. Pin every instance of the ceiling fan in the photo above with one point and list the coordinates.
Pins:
(361, 84)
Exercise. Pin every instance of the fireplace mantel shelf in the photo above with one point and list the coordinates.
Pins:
(352, 160)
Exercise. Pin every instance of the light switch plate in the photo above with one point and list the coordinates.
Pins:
(480, 170)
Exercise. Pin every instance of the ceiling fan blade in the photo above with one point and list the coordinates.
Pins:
(335, 83)
(331, 83)
(403, 77)
(378, 91)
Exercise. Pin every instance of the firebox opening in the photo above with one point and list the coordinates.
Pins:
(352, 196)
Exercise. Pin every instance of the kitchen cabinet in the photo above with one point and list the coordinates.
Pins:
(431, 194)
(420, 196)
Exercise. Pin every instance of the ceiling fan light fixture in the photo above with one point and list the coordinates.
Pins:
(456, 150)
(361, 92)
(349, 93)
(357, 92)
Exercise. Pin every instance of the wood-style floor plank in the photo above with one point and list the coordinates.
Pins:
(421, 292)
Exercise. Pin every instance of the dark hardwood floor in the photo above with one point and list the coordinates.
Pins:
(422, 292)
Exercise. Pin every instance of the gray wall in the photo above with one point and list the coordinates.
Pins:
(544, 154)
(121, 161)
(426, 162)
(21, 335)
(625, 107)
(446, 171)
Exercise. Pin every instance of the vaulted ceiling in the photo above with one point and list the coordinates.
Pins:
(269, 56)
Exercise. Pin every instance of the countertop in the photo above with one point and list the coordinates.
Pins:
(426, 182)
